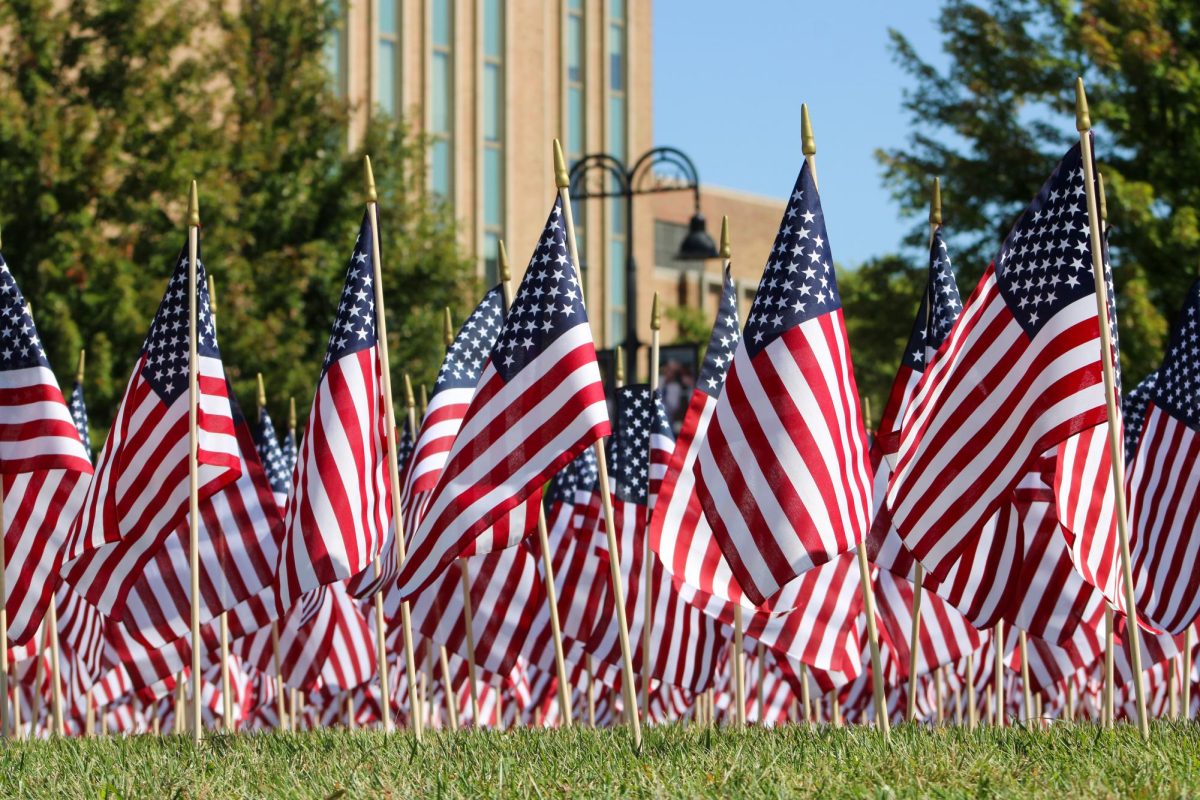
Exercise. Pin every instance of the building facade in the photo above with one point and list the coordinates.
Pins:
(492, 82)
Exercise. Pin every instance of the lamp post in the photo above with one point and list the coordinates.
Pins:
(662, 169)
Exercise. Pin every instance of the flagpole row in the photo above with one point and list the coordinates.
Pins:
(389, 410)
(1083, 124)
(647, 554)
(614, 558)
(1026, 694)
(998, 673)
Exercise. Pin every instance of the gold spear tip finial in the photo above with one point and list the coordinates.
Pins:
(212, 294)
(867, 412)
(505, 273)
(1083, 120)
(561, 180)
(79, 370)
(807, 140)
(409, 399)
(194, 207)
(935, 205)
(1103, 199)
(620, 367)
(369, 177)
(291, 412)
(655, 315)
(447, 327)
(726, 250)
(262, 391)
(424, 397)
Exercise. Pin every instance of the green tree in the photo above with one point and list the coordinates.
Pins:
(108, 108)
(997, 118)
(880, 298)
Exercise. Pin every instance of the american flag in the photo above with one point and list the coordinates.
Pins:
(679, 532)
(278, 470)
(1134, 411)
(369, 581)
(1019, 376)
(1164, 513)
(685, 641)
(452, 393)
(79, 416)
(539, 403)
(939, 310)
(45, 465)
(139, 495)
(340, 508)
(783, 473)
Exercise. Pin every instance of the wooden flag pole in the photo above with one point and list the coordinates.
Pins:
(809, 146)
(1172, 693)
(647, 554)
(193, 245)
(226, 685)
(739, 629)
(1187, 673)
(1116, 445)
(35, 711)
(1106, 696)
(451, 695)
(972, 710)
(805, 698)
(560, 664)
(281, 708)
(410, 665)
(614, 558)
(914, 642)
(1026, 694)
(998, 673)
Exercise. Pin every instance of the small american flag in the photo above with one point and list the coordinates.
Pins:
(278, 470)
(539, 403)
(139, 495)
(1019, 376)
(1134, 408)
(452, 393)
(44, 463)
(1164, 514)
(340, 508)
(783, 473)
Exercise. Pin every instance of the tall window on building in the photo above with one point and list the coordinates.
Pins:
(335, 48)
(441, 97)
(493, 135)
(575, 135)
(387, 71)
(618, 146)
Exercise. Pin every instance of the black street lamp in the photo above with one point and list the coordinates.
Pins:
(663, 169)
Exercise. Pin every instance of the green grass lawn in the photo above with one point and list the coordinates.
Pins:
(1065, 763)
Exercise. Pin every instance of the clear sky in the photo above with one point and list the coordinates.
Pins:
(729, 78)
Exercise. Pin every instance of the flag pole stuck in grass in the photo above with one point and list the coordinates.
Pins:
(193, 244)
(1083, 123)
(563, 182)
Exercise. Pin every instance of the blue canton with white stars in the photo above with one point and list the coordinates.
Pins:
(547, 304)
(166, 346)
(279, 472)
(930, 329)
(289, 451)
(629, 446)
(723, 342)
(79, 416)
(1177, 389)
(578, 476)
(354, 326)
(20, 347)
(404, 448)
(798, 283)
(469, 351)
(1045, 263)
(1134, 411)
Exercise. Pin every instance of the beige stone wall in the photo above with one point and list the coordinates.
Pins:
(534, 113)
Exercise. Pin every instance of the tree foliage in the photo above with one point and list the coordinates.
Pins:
(994, 121)
(108, 108)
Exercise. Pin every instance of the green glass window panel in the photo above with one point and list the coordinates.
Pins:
(387, 17)
(440, 177)
(442, 22)
(439, 106)
(493, 28)
(493, 187)
(616, 58)
(493, 97)
(385, 86)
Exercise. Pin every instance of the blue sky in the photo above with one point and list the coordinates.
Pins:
(729, 79)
